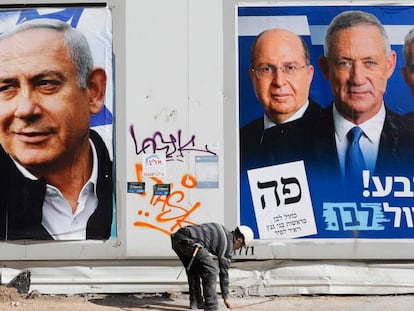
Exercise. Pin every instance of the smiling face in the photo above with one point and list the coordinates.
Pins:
(283, 94)
(44, 115)
(357, 70)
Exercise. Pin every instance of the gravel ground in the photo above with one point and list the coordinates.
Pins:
(10, 299)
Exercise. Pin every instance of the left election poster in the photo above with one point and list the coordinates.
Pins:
(56, 129)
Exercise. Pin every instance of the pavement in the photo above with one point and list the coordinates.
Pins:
(291, 303)
(10, 300)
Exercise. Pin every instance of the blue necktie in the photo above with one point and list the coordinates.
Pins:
(354, 160)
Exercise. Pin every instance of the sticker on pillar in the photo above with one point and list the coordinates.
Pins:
(154, 165)
(281, 200)
(207, 172)
(162, 189)
(136, 187)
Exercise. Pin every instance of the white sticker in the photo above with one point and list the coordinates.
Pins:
(282, 202)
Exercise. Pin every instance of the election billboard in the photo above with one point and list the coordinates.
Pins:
(56, 108)
(297, 155)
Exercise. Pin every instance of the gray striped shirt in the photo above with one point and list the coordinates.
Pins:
(219, 242)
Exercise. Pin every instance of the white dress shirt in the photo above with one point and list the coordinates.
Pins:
(369, 141)
(58, 218)
(297, 115)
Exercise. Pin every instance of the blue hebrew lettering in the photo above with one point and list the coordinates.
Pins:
(348, 216)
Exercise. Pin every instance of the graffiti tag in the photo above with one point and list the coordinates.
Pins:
(173, 145)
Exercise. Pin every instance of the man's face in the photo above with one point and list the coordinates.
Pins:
(44, 115)
(238, 244)
(283, 94)
(408, 72)
(357, 70)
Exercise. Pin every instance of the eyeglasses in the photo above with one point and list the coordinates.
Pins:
(269, 71)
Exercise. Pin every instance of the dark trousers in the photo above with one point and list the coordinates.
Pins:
(203, 268)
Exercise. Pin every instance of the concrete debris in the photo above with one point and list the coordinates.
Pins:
(21, 282)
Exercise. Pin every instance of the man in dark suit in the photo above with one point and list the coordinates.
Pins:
(358, 62)
(407, 70)
(281, 75)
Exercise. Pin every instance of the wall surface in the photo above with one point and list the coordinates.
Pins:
(176, 124)
(176, 101)
(174, 110)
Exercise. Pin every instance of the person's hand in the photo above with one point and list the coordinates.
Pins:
(228, 303)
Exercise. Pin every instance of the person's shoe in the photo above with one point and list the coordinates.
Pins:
(194, 305)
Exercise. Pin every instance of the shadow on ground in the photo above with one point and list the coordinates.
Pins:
(149, 302)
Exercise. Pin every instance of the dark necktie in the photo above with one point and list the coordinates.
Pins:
(354, 160)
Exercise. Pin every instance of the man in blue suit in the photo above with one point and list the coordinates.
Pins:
(358, 62)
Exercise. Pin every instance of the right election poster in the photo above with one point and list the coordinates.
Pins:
(326, 130)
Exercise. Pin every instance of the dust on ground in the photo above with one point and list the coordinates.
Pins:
(12, 300)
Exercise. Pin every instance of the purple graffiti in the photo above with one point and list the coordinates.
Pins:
(173, 146)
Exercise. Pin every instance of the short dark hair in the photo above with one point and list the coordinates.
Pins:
(238, 234)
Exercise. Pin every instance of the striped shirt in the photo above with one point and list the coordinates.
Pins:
(218, 241)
